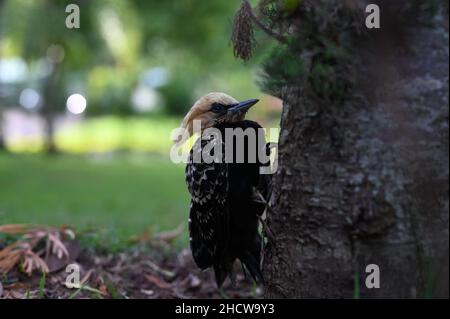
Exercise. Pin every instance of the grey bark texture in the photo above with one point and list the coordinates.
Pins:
(366, 182)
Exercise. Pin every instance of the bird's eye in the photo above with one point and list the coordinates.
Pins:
(217, 108)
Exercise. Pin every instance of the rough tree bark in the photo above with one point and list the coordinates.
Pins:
(367, 182)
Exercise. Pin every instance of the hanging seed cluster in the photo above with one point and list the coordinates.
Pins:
(242, 38)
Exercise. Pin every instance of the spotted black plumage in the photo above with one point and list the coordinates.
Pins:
(223, 219)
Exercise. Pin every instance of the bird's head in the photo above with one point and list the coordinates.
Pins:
(215, 108)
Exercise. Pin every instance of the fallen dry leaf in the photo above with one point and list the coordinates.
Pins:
(55, 264)
(169, 236)
(11, 255)
(33, 261)
(23, 253)
(160, 283)
(166, 273)
(148, 292)
(14, 228)
(57, 246)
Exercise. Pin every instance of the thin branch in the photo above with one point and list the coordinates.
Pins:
(260, 199)
(262, 26)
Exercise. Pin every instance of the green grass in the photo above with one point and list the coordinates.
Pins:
(42, 286)
(117, 196)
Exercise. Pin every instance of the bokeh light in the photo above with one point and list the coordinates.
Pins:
(76, 104)
(30, 99)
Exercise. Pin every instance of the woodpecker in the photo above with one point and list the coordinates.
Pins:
(224, 211)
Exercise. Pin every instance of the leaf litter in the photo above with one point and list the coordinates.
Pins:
(144, 271)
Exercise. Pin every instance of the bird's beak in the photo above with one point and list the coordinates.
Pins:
(243, 106)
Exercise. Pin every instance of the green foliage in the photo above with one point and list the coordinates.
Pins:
(290, 6)
(112, 289)
(178, 94)
(75, 293)
(321, 38)
(203, 27)
(282, 67)
(330, 76)
(120, 39)
(318, 54)
(42, 283)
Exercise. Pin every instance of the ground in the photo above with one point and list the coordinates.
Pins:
(141, 273)
(118, 205)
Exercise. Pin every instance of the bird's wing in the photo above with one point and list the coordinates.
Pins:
(208, 218)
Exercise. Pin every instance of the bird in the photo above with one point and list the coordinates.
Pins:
(224, 210)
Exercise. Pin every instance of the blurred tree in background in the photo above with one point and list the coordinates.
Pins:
(139, 65)
(128, 57)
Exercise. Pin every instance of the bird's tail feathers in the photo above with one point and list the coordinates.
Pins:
(251, 263)
(220, 272)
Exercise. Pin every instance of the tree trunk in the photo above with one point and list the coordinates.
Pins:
(49, 109)
(2, 139)
(366, 182)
